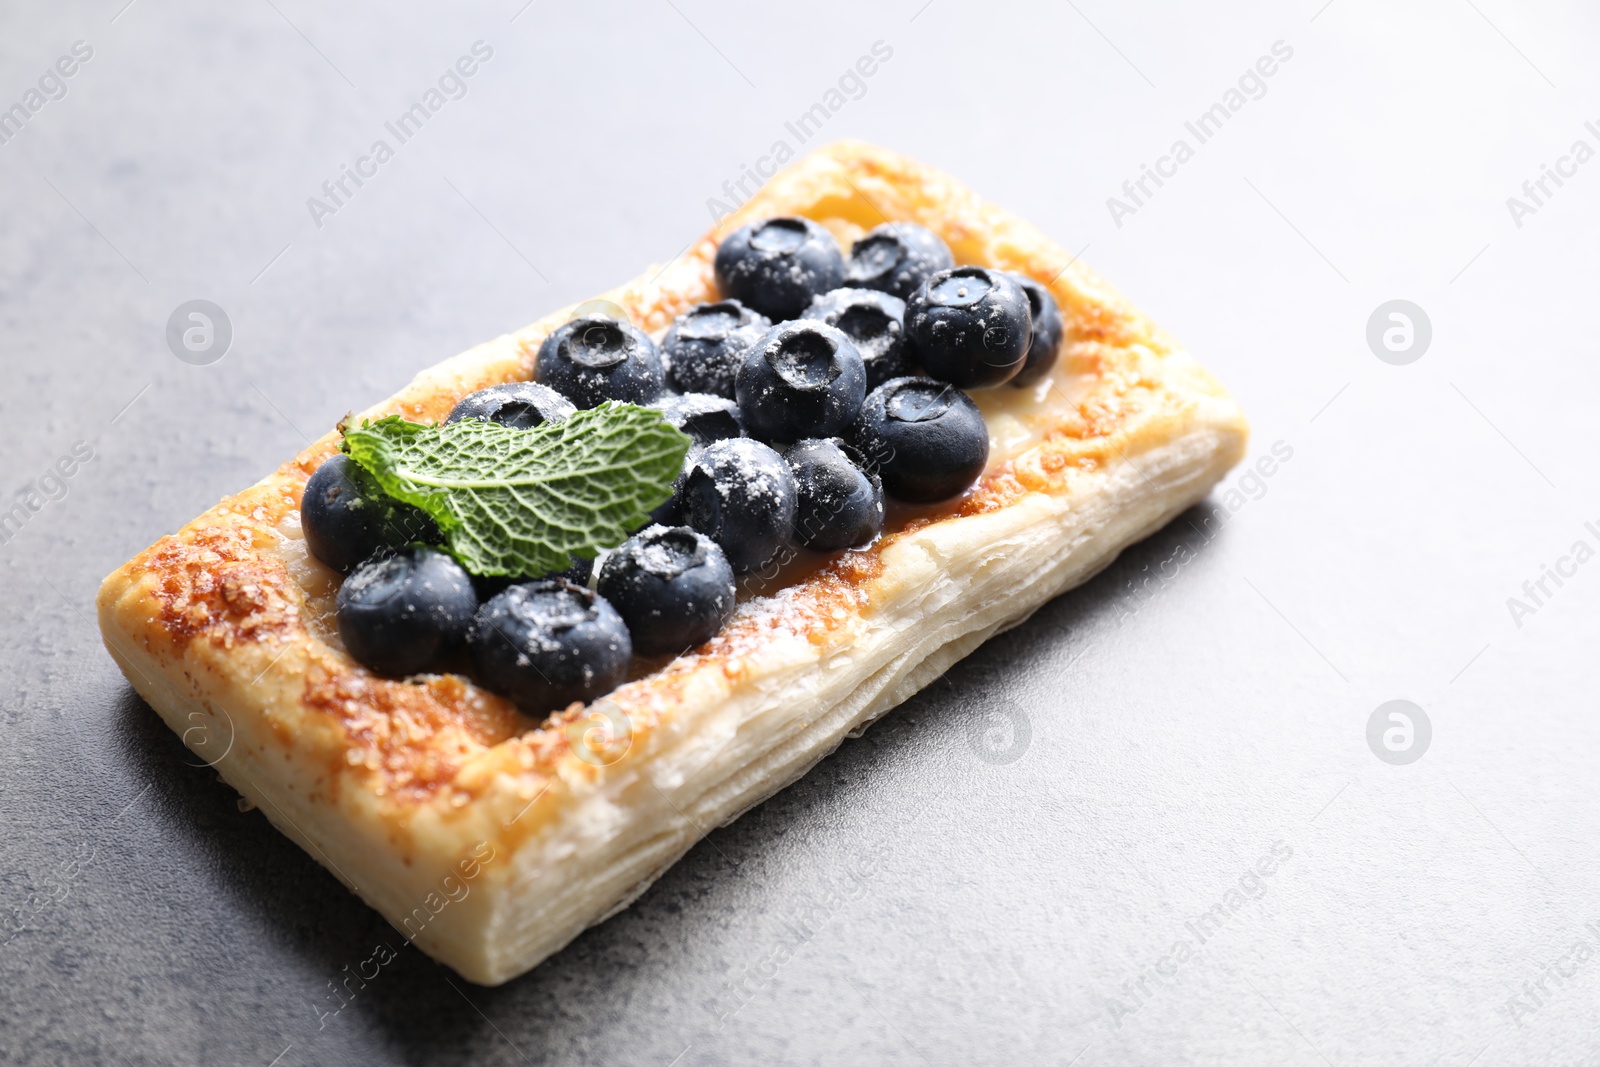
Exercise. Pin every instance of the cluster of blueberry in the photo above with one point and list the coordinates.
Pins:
(406, 607)
(855, 368)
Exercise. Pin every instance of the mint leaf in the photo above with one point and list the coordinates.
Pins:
(523, 502)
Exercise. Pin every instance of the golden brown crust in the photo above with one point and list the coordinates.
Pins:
(231, 610)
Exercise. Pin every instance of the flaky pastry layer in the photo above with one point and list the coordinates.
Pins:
(492, 839)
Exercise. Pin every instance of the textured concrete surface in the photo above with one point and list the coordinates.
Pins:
(1018, 865)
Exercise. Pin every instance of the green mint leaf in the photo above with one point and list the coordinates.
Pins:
(524, 502)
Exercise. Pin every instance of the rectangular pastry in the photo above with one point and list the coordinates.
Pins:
(491, 836)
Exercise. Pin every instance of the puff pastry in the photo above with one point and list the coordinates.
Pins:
(491, 839)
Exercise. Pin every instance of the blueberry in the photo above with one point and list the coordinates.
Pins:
(970, 326)
(671, 585)
(670, 513)
(705, 418)
(840, 500)
(927, 438)
(399, 612)
(1045, 344)
(803, 379)
(546, 644)
(776, 266)
(741, 494)
(347, 517)
(595, 358)
(488, 585)
(705, 345)
(519, 405)
(896, 257)
(875, 324)
(578, 573)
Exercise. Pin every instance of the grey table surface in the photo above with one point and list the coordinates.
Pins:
(1011, 867)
